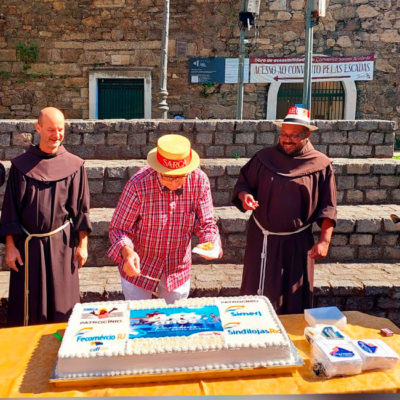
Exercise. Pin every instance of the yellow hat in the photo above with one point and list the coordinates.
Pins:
(173, 156)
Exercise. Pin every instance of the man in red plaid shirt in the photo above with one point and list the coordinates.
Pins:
(160, 208)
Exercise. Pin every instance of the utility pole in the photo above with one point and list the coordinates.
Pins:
(239, 109)
(163, 106)
(308, 58)
(315, 10)
(246, 19)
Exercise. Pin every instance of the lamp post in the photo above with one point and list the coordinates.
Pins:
(315, 10)
(239, 108)
(163, 106)
(246, 20)
(308, 58)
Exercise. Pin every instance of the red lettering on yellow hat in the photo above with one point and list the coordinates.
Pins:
(174, 164)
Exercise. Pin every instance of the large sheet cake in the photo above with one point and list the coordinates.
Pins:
(151, 337)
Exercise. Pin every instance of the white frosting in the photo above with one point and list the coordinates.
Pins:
(212, 333)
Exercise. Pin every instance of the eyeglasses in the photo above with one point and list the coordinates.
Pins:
(293, 137)
(172, 178)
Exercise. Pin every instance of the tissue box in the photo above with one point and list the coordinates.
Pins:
(326, 316)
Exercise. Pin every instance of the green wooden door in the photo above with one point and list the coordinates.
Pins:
(120, 98)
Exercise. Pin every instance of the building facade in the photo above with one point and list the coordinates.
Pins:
(101, 58)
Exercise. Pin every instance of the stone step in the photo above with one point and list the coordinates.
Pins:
(368, 287)
(363, 232)
(358, 181)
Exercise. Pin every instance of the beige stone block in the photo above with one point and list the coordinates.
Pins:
(120, 59)
(297, 15)
(289, 36)
(390, 36)
(85, 93)
(108, 3)
(297, 4)
(7, 55)
(59, 5)
(128, 45)
(171, 46)
(68, 44)
(278, 5)
(77, 82)
(56, 69)
(366, 11)
(330, 42)
(344, 41)
(283, 16)
(45, 34)
(384, 66)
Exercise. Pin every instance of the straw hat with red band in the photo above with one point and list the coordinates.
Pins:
(173, 156)
(297, 116)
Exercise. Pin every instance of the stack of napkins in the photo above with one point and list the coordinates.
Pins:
(335, 357)
(328, 332)
(326, 316)
(375, 354)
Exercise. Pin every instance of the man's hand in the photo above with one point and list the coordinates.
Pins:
(81, 255)
(248, 201)
(81, 252)
(131, 259)
(319, 250)
(13, 255)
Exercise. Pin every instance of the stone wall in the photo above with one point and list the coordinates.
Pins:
(363, 232)
(119, 139)
(75, 37)
(359, 181)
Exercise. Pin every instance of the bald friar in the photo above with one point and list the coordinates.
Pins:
(44, 225)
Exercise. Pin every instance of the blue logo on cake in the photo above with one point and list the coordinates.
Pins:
(177, 321)
(239, 311)
(341, 352)
(368, 348)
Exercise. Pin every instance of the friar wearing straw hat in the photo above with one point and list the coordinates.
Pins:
(160, 208)
(288, 187)
(45, 212)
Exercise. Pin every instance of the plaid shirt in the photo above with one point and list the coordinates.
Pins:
(158, 224)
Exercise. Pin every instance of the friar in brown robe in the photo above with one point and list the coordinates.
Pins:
(47, 187)
(288, 187)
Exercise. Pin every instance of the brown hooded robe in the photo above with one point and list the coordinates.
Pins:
(292, 191)
(44, 191)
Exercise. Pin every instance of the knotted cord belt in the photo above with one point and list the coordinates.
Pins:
(266, 233)
(26, 285)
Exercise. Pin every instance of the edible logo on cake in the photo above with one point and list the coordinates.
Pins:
(239, 311)
(86, 334)
(101, 315)
(233, 328)
(174, 321)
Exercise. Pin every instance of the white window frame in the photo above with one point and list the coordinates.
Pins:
(139, 73)
(350, 99)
